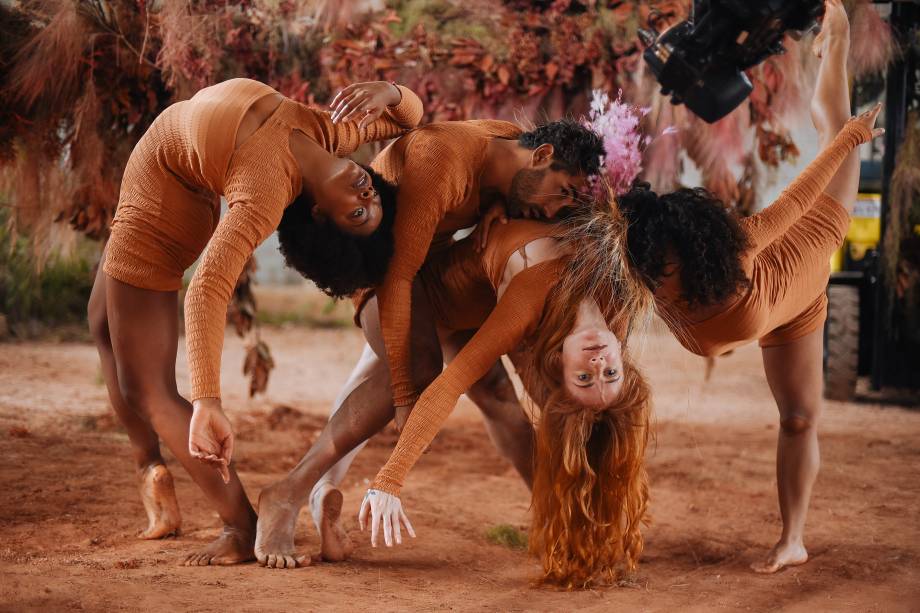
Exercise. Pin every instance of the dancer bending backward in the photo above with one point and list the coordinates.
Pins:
(447, 173)
(561, 309)
(262, 151)
(720, 281)
(523, 295)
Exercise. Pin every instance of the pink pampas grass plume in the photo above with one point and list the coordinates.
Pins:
(617, 123)
(872, 45)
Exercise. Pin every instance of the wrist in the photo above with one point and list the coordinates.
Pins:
(396, 94)
(206, 403)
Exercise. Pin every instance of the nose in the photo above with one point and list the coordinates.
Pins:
(598, 359)
(367, 193)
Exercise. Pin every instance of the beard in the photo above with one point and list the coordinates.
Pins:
(524, 185)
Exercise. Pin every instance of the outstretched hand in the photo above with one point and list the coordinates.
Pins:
(366, 101)
(868, 120)
(386, 514)
(210, 437)
(480, 235)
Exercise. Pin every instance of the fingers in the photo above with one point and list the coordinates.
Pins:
(877, 132)
(224, 471)
(349, 105)
(357, 106)
(370, 117)
(362, 514)
(397, 534)
(346, 103)
(226, 451)
(387, 529)
(345, 92)
(375, 520)
(405, 520)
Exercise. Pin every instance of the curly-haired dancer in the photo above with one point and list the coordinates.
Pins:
(262, 151)
(447, 173)
(721, 281)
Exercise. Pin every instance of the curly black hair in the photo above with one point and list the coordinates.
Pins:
(576, 149)
(339, 264)
(694, 226)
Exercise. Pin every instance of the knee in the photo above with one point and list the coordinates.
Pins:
(135, 394)
(796, 423)
(495, 384)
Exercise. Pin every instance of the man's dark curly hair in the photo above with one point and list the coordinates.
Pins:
(694, 226)
(338, 263)
(576, 149)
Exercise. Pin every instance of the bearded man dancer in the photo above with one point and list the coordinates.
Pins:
(448, 174)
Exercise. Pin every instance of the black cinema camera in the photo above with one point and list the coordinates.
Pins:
(700, 62)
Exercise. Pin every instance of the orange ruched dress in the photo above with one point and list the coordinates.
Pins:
(462, 286)
(437, 168)
(788, 264)
(169, 204)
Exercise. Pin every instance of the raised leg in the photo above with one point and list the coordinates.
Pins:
(830, 105)
(156, 484)
(360, 414)
(143, 325)
(794, 372)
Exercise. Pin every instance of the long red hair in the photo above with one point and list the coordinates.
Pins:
(590, 491)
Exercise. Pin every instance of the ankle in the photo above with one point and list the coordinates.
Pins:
(147, 464)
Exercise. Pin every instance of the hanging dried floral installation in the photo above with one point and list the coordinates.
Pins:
(81, 80)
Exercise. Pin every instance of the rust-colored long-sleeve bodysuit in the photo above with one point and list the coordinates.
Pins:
(437, 168)
(792, 241)
(462, 286)
(168, 208)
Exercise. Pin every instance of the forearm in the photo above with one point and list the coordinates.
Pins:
(771, 223)
(395, 303)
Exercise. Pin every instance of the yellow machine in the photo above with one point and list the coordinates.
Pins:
(864, 233)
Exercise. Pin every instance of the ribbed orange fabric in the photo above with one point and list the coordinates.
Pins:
(788, 263)
(437, 169)
(449, 282)
(191, 145)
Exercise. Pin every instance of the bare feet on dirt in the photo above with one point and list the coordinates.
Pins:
(233, 546)
(159, 496)
(326, 508)
(781, 556)
(275, 531)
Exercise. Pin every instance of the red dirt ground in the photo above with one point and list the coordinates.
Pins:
(70, 509)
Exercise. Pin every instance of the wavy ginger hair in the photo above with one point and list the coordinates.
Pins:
(590, 491)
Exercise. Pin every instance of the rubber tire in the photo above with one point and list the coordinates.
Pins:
(841, 368)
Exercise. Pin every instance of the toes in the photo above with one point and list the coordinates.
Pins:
(303, 560)
(290, 562)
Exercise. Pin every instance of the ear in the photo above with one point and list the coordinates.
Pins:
(542, 155)
(318, 214)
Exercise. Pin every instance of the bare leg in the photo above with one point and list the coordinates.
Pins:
(144, 330)
(156, 485)
(361, 414)
(325, 498)
(830, 105)
(507, 424)
(794, 372)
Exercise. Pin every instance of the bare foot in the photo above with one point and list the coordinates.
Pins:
(233, 546)
(834, 27)
(275, 529)
(159, 496)
(781, 556)
(326, 507)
